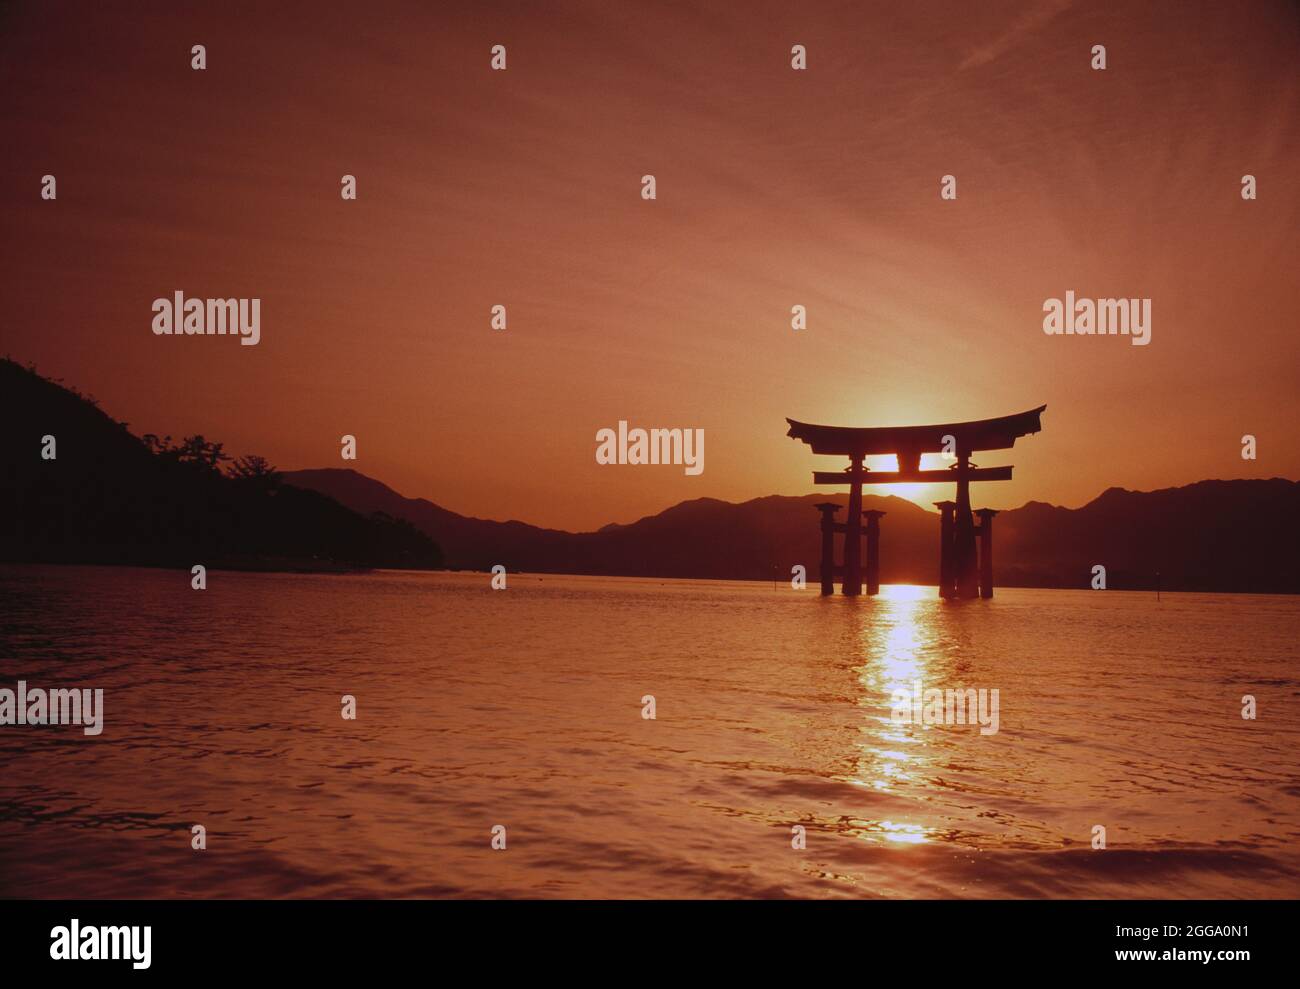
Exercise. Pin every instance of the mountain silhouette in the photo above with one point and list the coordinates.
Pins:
(108, 496)
(1238, 535)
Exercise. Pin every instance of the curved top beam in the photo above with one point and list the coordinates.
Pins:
(912, 441)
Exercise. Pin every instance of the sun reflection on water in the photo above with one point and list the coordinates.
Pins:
(896, 646)
(906, 834)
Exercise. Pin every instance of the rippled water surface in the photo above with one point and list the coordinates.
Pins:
(524, 708)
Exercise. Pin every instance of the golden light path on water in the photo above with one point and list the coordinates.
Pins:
(894, 648)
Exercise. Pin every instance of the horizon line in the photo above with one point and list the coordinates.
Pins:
(687, 501)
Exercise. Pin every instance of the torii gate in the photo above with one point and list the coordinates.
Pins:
(962, 573)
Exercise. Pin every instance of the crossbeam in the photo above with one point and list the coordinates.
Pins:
(940, 476)
(911, 441)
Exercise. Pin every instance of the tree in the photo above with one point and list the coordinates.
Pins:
(159, 447)
(198, 452)
(256, 471)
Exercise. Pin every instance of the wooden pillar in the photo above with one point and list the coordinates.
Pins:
(853, 531)
(873, 550)
(964, 557)
(986, 551)
(828, 510)
(945, 547)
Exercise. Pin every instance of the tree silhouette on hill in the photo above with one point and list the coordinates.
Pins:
(108, 496)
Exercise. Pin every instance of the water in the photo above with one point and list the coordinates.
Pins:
(523, 708)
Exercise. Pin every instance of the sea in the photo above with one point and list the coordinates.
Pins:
(596, 737)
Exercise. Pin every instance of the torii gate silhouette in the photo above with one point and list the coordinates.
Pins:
(962, 573)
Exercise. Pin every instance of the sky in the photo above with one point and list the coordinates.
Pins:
(774, 187)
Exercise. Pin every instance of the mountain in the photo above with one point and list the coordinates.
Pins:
(702, 538)
(108, 496)
(1240, 535)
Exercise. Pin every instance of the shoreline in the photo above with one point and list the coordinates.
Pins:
(330, 568)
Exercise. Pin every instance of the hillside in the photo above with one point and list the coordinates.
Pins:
(108, 496)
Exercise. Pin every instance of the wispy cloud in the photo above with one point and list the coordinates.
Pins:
(1023, 26)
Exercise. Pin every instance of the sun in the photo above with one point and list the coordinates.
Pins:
(912, 492)
(924, 495)
(921, 493)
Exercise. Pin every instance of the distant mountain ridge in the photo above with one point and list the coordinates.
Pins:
(1237, 535)
(112, 497)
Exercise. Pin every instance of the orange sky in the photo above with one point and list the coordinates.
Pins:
(775, 187)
